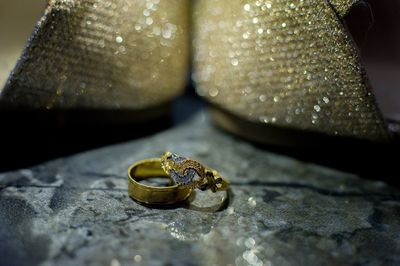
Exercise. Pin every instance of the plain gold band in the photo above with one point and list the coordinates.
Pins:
(149, 194)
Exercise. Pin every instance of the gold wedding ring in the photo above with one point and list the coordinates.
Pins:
(146, 194)
(184, 173)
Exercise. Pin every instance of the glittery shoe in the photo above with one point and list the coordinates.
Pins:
(108, 55)
(275, 67)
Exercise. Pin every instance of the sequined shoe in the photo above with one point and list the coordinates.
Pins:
(102, 55)
(276, 71)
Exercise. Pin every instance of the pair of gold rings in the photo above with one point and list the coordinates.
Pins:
(184, 173)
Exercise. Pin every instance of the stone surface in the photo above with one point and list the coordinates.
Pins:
(280, 211)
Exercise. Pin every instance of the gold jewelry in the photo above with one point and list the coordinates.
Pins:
(150, 194)
(186, 174)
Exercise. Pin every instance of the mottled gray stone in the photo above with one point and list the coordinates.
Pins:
(280, 211)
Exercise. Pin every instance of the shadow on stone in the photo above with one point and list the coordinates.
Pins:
(371, 160)
(31, 137)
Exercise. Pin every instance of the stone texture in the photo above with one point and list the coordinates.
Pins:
(280, 211)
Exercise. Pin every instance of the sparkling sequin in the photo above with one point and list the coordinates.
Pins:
(119, 39)
(108, 54)
(293, 60)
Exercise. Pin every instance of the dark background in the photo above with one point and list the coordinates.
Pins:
(375, 26)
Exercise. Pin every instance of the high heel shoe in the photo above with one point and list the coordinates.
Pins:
(102, 55)
(283, 67)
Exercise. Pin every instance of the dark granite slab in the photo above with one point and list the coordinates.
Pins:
(280, 211)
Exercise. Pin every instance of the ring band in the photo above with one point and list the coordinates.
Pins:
(150, 194)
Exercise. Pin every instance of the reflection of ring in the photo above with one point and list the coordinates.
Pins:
(186, 174)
